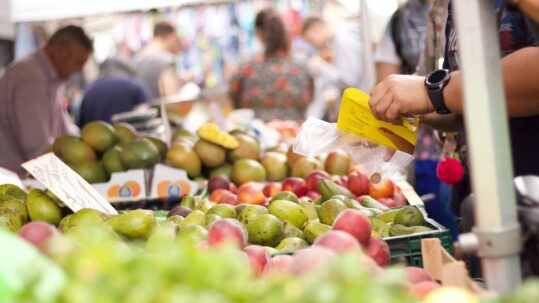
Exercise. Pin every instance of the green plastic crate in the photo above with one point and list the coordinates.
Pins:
(407, 248)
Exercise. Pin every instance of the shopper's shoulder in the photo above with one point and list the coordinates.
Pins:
(26, 69)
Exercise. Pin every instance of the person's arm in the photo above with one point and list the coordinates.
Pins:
(384, 70)
(386, 57)
(530, 8)
(446, 123)
(169, 84)
(406, 95)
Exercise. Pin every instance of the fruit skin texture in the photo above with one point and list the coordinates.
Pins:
(227, 231)
(338, 241)
(271, 189)
(218, 182)
(314, 178)
(278, 265)
(250, 212)
(305, 166)
(42, 208)
(184, 158)
(415, 275)
(247, 170)
(358, 184)
(295, 185)
(384, 189)
(409, 216)
(423, 289)
(140, 153)
(136, 223)
(211, 155)
(258, 257)
(330, 210)
(355, 223)
(248, 194)
(378, 250)
(124, 132)
(38, 233)
(99, 135)
(266, 230)
(450, 294)
(314, 229)
(275, 165)
(91, 171)
(223, 196)
(112, 162)
(179, 210)
(309, 259)
(337, 162)
(76, 151)
(248, 148)
(290, 211)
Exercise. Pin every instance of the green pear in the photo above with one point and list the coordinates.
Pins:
(265, 230)
(330, 209)
(193, 232)
(138, 223)
(41, 207)
(289, 211)
(291, 244)
(314, 229)
(223, 211)
(196, 217)
(250, 213)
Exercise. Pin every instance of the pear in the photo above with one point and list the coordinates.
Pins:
(138, 223)
(41, 207)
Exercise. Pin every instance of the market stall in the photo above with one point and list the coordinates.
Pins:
(239, 209)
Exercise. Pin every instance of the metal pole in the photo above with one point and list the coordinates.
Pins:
(368, 58)
(496, 228)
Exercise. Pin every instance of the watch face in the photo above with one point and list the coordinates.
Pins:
(437, 77)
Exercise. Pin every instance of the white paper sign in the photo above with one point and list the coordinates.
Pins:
(71, 188)
(7, 176)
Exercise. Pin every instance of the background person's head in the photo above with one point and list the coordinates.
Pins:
(271, 31)
(166, 34)
(68, 49)
(316, 32)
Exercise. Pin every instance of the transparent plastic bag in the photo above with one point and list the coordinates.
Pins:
(376, 161)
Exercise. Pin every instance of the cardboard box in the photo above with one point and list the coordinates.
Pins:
(124, 186)
(168, 182)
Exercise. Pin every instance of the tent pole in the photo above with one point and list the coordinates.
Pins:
(497, 232)
(368, 57)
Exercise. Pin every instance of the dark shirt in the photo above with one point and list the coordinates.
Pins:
(110, 95)
(514, 34)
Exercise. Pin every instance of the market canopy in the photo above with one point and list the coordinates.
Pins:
(32, 10)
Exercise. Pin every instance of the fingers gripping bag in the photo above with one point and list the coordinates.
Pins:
(380, 148)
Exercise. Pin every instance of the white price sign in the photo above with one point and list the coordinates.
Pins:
(66, 184)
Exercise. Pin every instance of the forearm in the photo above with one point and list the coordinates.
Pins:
(446, 123)
(383, 70)
(521, 82)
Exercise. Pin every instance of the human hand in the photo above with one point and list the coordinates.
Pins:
(400, 95)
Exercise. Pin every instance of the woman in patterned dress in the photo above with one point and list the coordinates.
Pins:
(273, 84)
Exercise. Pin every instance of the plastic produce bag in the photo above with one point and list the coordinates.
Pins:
(381, 149)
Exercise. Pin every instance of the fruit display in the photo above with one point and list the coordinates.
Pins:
(103, 149)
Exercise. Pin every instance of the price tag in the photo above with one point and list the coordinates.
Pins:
(7, 176)
(66, 184)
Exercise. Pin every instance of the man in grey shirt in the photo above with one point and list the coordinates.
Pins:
(155, 64)
(31, 92)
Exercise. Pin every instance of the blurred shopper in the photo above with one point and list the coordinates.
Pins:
(156, 63)
(273, 84)
(339, 55)
(31, 113)
(115, 91)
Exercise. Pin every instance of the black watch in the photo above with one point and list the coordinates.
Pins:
(435, 82)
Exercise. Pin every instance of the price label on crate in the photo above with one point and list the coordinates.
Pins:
(66, 184)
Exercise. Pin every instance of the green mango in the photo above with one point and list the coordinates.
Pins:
(291, 244)
(289, 211)
(292, 231)
(329, 210)
(13, 191)
(138, 223)
(193, 232)
(196, 217)
(41, 207)
(285, 195)
(266, 230)
(309, 209)
(250, 213)
(314, 229)
(188, 201)
(328, 189)
(223, 211)
(15, 206)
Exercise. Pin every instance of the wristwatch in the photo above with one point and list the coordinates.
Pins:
(435, 82)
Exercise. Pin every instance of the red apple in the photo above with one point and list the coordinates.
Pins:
(249, 194)
(378, 250)
(233, 189)
(389, 202)
(223, 196)
(271, 189)
(415, 275)
(314, 178)
(337, 162)
(338, 241)
(384, 189)
(355, 223)
(278, 264)
(358, 184)
(295, 185)
(311, 258)
(258, 257)
(422, 289)
(341, 180)
(38, 233)
(313, 195)
(371, 265)
(227, 231)
(400, 200)
(218, 182)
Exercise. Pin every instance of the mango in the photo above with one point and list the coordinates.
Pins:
(195, 217)
(329, 210)
(309, 209)
(223, 211)
(250, 213)
(193, 232)
(291, 244)
(409, 216)
(266, 230)
(138, 223)
(292, 231)
(41, 207)
(314, 229)
(13, 191)
(290, 211)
